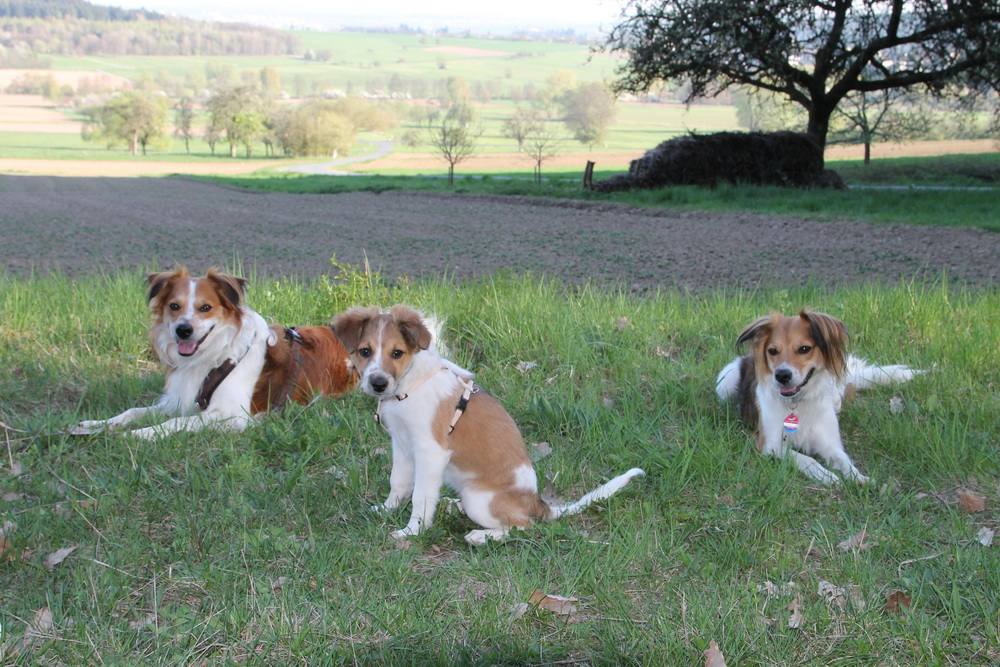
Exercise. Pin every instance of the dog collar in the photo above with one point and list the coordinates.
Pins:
(468, 390)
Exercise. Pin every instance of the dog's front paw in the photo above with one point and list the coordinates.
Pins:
(402, 534)
(89, 427)
(481, 537)
(395, 500)
(148, 433)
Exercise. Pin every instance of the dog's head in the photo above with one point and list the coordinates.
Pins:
(382, 345)
(790, 350)
(191, 312)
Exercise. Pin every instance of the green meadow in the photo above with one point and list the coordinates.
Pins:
(359, 58)
(261, 547)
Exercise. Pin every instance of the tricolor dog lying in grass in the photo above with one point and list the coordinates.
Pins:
(224, 364)
(791, 385)
(446, 431)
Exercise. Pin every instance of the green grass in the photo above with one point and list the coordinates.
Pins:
(260, 547)
(956, 207)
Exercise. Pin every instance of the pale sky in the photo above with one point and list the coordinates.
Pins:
(497, 16)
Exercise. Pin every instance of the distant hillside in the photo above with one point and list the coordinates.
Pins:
(77, 9)
(30, 29)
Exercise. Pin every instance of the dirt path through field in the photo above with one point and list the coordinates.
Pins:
(85, 225)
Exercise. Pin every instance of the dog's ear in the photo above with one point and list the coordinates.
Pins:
(411, 325)
(231, 288)
(760, 326)
(157, 281)
(347, 326)
(830, 336)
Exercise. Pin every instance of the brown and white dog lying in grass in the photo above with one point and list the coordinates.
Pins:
(792, 383)
(224, 364)
(446, 431)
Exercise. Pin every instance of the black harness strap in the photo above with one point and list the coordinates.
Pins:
(294, 339)
(212, 382)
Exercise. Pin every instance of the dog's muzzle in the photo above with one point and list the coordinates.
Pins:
(783, 376)
(378, 383)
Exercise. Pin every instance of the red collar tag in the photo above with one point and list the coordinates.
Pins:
(791, 423)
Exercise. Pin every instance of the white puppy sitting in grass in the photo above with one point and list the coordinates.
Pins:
(446, 431)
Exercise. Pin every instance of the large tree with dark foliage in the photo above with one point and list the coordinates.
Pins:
(812, 51)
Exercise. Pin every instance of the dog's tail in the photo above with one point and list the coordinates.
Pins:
(600, 493)
(863, 374)
(727, 382)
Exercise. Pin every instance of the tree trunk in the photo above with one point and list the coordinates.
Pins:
(819, 124)
(868, 152)
(451, 174)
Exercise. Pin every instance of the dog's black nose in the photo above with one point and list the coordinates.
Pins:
(378, 384)
(783, 375)
(184, 331)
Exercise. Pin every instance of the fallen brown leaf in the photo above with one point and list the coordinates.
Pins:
(895, 601)
(796, 620)
(985, 536)
(11, 496)
(15, 470)
(517, 611)
(834, 595)
(549, 494)
(57, 557)
(713, 656)
(276, 584)
(773, 590)
(970, 502)
(149, 619)
(539, 450)
(557, 604)
(41, 625)
(4, 547)
(857, 597)
(854, 541)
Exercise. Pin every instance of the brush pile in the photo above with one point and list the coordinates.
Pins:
(788, 159)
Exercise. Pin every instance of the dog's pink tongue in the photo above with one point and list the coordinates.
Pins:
(186, 347)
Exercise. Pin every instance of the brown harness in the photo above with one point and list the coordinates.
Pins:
(295, 341)
(222, 371)
(460, 407)
(212, 382)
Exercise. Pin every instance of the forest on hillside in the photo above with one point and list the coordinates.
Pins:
(30, 29)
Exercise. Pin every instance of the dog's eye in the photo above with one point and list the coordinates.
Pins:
(205, 308)
(175, 306)
(773, 351)
(365, 352)
(805, 349)
(396, 354)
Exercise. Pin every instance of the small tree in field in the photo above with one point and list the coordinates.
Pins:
(184, 120)
(589, 110)
(454, 138)
(134, 118)
(885, 115)
(540, 144)
(517, 126)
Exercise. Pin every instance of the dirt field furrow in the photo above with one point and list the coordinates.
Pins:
(86, 225)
